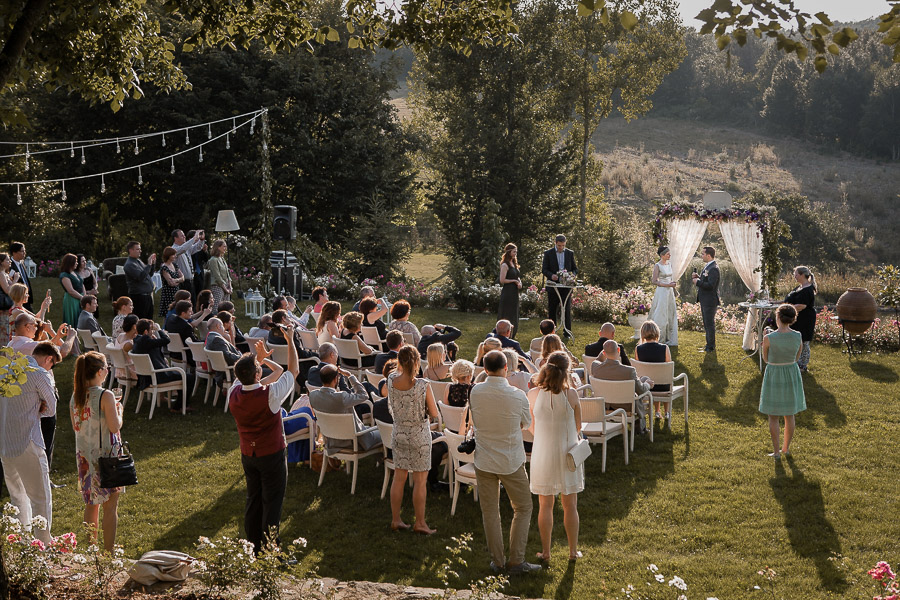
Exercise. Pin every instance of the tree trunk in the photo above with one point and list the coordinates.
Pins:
(19, 36)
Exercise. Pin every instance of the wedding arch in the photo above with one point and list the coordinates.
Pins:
(752, 238)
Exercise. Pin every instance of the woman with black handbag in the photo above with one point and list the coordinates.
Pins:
(7, 279)
(96, 419)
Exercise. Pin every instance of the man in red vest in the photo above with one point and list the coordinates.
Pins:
(255, 404)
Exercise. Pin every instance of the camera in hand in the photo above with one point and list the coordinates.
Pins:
(467, 446)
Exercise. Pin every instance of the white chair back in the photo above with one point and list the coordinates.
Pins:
(175, 344)
(309, 340)
(100, 340)
(198, 351)
(387, 431)
(370, 336)
(593, 410)
(279, 354)
(218, 363)
(660, 373)
(87, 341)
(588, 361)
(439, 389)
(453, 417)
(347, 349)
(202, 329)
(615, 392)
(142, 364)
(374, 378)
(409, 339)
(453, 442)
(117, 356)
(336, 426)
(251, 341)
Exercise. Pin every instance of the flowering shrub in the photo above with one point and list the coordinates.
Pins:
(101, 565)
(881, 336)
(48, 268)
(249, 277)
(636, 302)
(596, 304)
(672, 587)
(729, 318)
(886, 584)
(27, 560)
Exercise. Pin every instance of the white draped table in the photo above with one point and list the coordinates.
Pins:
(761, 311)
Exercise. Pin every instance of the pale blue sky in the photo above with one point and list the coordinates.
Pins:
(838, 10)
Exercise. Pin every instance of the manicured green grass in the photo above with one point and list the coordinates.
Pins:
(702, 502)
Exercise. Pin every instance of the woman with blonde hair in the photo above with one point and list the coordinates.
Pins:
(514, 376)
(96, 418)
(555, 423)
(327, 325)
(220, 278)
(511, 280)
(458, 392)
(351, 325)
(486, 346)
(650, 350)
(18, 293)
(410, 402)
(437, 369)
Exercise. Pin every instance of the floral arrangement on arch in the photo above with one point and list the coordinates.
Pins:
(771, 228)
(636, 302)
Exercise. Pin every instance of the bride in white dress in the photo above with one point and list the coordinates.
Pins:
(663, 310)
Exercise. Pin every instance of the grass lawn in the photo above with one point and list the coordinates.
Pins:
(704, 503)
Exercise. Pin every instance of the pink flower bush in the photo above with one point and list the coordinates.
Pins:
(887, 586)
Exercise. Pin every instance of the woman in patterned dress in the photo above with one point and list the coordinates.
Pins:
(172, 277)
(411, 402)
(96, 419)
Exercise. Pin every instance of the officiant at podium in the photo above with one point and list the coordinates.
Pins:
(555, 260)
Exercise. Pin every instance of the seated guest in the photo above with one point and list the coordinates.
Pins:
(239, 341)
(514, 376)
(123, 307)
(195, 316)
(372, 312)
(280, 321)
(263, 326)
(389, 367)
(437, 334)
(452, 352)
(458, 392)
(28, 332)
(394, 341)
(228, 322)
(86, 318)
(219, 340)
(552, 344)
(650, 350)
(502, 331)
(350, 330)
(125, 342)
(329, 399)
(548, 327)
(303, 320)
(367, 291)
(437, 369)
(607, 332)
(486, 346)
(152, 340)
(320, 297)
(612, 369)
(328, 354)
(400, 312)
(178, 324)
(329, 323)
(205, 304)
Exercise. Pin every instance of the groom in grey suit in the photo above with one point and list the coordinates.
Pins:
(707, 282)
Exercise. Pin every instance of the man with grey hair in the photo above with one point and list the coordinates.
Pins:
(613, 370)
(184, 253)
(366, 292)
(501, 331)
(328, 354)
(217, 341)
(25, 327)
(436, 334)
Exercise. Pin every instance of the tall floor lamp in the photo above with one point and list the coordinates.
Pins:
(225, 222)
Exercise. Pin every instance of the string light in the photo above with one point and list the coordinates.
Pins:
(172, 170)
(82, 155)
(18, 195)
(118, 148)
(164, 140)
(252, 125)
(140, 177)
(209, 133)
(136, 149)
(103, 184)
(27, 156)
(201, 153)
(72, 154)
(187, 137)
(227, 141)
(64, 191)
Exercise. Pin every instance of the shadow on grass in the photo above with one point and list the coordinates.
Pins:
(209, 520)
(820, 400)
(564, 589)
(810, 532)
(874, 371)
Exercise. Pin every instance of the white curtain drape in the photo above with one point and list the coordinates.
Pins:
(684, 238)
(744, 244)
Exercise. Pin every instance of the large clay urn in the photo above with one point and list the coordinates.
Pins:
(856, 308)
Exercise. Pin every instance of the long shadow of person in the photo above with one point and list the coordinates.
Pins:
(564, 589)
(810, 533)
(874, 371)
(210, 520)
(820, 400)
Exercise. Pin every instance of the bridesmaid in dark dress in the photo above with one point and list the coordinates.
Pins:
(650, 350)
(804, 299)
(510, 279)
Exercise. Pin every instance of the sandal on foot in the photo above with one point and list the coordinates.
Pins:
(578, 554)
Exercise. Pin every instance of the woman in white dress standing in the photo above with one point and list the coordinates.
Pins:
(663, 310)
(556, 423)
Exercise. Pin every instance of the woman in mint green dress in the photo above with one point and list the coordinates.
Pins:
(782, 388)
(74, 288)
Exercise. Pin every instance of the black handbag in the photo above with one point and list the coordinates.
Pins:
(6, 302)
(118, 470)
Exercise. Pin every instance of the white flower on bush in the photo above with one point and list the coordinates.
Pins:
(10, 509)
(81, 559)
(660, 578)
(678, 582)
(301, 542)
(247, 547)
(39, 522)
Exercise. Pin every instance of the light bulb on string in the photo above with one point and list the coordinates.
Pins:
(233, 123)
(264, 145)
(18, 195)
(227, 141)
(252, 125)
(118, 148)
(72, 150)
(172, 170)
(209, 132)
(136, 149)
(64, 196)
(201, 154)
(187, 136)
(102, 184)
(140, 177)
(82, 155)
(164, 140)
(27, 156)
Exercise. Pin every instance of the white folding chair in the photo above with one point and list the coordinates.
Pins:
(439, 389)
(87, 341)
(117, 357)
(664, 374)
(463, 470)
(343, 427)
(349, 354)
(176, 347)
(251, 341)
(101, 341)
(370, 336)
(373, 378)
(453, 417)
(409, 339)
(218, 364)
(309, 340)
(621, 394)
(588, 361)
(200, 372)
(144, 366)
(387, 431)
(598, 425)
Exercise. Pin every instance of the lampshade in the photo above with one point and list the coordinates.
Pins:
(226, 221)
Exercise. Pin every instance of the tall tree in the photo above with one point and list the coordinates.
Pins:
(498, 166)
(618, 67)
